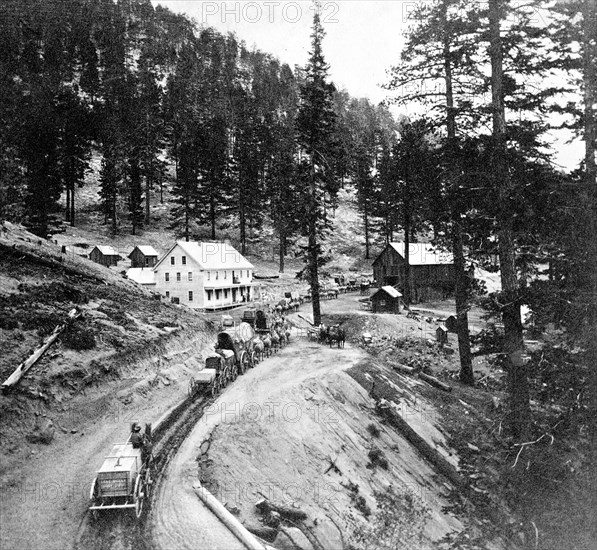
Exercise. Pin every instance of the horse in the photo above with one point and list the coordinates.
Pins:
(259, 347)
(324, 332)
(267, 345)
(336, 334)
(275, 340)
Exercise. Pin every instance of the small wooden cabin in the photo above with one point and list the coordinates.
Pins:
(386, 300)
(431, 271)
(143, 256)
(441, 335)
(104, 255)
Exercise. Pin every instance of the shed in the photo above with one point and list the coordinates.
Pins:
(143, 256)
(386, 300)
(104, 255)
(441, 335)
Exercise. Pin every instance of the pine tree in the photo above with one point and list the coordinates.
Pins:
(316, 125)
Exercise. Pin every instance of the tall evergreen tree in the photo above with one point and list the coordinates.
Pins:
(316, 126)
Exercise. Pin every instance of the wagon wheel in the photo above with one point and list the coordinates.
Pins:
(92, 498)
(254, 359)
(139, 495)
(213, 387)
(245, 362)
(147, 480)
(191, 387)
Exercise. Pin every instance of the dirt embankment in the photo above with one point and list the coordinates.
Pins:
(302, 431)
(127, 358)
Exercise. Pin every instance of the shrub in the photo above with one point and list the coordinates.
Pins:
(373, 430)
(78, 339)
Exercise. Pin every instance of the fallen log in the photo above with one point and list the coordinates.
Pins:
(426, 450)
(20, 371)
(264, 505)
(434, 382)
(235, 526)
(402, 368)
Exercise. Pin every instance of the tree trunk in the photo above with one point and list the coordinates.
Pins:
(282, 242)
(147, 191)
(313, 251)
(72, 203)
(366, 219)
(590, 138)
(513, 343)
(242, 221)
(406, 225)
(461, 296)
(212, 212)
(67, 211)
(460, 275)
(114, 208)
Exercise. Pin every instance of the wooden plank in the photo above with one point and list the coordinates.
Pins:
(20, 371)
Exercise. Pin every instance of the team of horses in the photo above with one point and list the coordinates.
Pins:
(332, 335)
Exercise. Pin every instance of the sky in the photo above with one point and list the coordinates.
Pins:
(363, 40)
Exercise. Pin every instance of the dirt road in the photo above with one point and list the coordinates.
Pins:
(45, 507)
(178, 519)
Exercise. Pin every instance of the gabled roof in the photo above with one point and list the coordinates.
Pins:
(107, 250)
(143, 276)
(146, 250)
(390, 290)
(423, 254)
(211, 255)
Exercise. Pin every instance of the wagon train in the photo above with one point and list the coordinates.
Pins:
(237, 349)
(124, 480)
(273, 331)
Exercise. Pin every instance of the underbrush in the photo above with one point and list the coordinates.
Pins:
(398, 524)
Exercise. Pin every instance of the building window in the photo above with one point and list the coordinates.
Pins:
(190, 295)
(208, 275)
(184, 260)
(167, 294)
(209, 295)
(146, 262)
(218, 294)
(171, 260)
(190, 276)
(225, 272)
(225, 293)
(167, 277)
(178, 277)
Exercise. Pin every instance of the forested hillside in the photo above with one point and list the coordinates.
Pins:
(151, 94)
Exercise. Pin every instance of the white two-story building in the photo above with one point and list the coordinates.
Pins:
(207, 275)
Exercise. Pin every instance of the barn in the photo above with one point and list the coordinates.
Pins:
(143, 256)
(386, 300)
(104, 255)
(431, 270)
